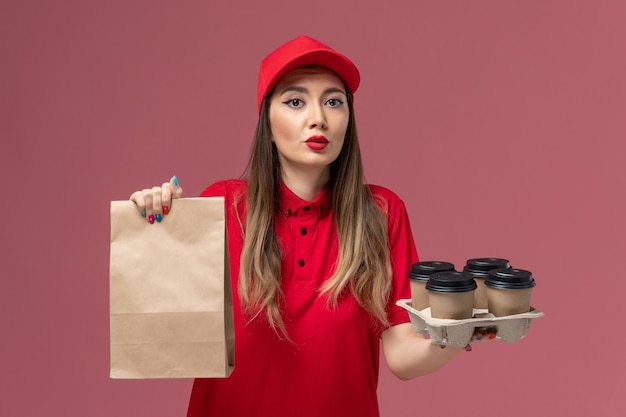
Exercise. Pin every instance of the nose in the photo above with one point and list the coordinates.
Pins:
(317, 116)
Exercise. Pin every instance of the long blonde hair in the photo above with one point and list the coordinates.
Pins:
(363, 265)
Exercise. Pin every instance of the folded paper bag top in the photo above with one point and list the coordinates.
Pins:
(170, 295)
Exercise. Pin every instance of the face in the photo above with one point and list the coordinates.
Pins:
(308, 116)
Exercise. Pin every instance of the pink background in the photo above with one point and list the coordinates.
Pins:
(500, 123)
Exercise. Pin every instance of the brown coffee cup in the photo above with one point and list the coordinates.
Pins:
(451, 295)
(479, 268)
(419, 274)
(509, 291)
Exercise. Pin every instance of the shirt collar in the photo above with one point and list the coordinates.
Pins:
(292, 205)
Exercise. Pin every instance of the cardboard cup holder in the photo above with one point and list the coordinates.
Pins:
(459, 332)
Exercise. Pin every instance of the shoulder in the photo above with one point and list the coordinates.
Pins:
(391, 205)
(383, 192)
(389, 200)
(225, 188)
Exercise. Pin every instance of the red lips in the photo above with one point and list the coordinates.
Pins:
(317, 143)
(317, 139)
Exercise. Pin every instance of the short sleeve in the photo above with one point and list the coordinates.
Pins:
(403, 252)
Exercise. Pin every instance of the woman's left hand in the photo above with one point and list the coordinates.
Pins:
(410, 354)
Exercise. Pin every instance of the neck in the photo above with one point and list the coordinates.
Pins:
(306, 185)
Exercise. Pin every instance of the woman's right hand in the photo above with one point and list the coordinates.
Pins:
(154, 203)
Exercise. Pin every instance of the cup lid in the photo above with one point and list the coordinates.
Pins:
(481, 266)
(510, 278)
(450, 282)
(421, 271)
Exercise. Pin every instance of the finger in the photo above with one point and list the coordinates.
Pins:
(166, 196)
(156, 203)
(137, 198)
(483, 335)
(147, 196)
(176, 189)
(487, 333)
(490, 333)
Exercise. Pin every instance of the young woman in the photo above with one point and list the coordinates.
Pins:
(318, 258)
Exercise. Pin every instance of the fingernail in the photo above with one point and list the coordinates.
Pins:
(442, 346)
(143, 212)
(492, 336)
(175, 180)
(151, 219)
(478, 338)
(166, 209)
(468, 348)
(157, 217)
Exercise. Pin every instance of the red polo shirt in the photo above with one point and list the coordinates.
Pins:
(330, 368)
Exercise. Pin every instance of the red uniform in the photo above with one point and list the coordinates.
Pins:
(330, 366)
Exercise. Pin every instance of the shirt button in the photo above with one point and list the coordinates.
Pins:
(307, 208)
(303, 231)
(301, 262)
(288, 211)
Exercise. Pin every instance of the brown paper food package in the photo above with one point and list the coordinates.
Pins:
(170, 294)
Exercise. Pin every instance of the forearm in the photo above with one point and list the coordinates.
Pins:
(410, 355)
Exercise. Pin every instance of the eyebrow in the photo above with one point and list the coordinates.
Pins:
(300, 89)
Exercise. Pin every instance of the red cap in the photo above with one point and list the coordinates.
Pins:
(300, 52)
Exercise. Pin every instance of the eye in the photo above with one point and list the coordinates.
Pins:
(334, 102)
(294, 103)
